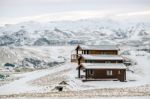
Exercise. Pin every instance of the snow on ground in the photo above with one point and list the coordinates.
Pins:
(137, 81)
(138, 78)
(22, 86)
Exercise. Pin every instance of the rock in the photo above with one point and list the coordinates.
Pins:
(63, 83)
(36, 63)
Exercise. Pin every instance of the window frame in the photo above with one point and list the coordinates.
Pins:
(109, 72)
(119, 72)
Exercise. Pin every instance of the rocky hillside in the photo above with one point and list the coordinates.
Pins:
(92, 31)
(32, 57)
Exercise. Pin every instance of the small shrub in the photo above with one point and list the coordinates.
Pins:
(51, 64)
(2, 76)
(9, 65)
(24, 69)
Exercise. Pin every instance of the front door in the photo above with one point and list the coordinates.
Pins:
(89, 73)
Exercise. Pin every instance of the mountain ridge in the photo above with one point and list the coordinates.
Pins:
(72, 32)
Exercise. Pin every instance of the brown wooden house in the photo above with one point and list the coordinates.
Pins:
(102, 71)
(100, 59)
(100, 62)
(94, 49)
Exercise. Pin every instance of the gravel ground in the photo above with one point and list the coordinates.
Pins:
(105, 92)
(135, 97)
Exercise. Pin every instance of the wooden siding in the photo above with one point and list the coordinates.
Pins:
(119, 74)
(106, 52)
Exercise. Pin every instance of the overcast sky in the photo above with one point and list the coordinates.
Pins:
(23, 10)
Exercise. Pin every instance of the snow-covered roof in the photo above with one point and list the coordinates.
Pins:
(102, 57)
(103, 66)
(98, 47)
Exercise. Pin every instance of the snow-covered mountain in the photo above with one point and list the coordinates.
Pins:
(20, 42)
(88, 31)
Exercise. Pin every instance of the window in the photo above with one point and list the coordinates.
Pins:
(119, 72)
(91, 72)
(82, 52)
(109, 72)
(107, 61)
(86, 52)
(85, 61)
(90, 61)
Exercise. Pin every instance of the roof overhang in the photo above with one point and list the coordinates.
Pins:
(97, 47)
(101, 57)
(103, 66)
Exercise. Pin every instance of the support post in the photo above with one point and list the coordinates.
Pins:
(79, 72)
(76, 55)
(124, 75)
(86, 74)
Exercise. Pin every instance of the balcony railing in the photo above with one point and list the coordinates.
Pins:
(74, 57)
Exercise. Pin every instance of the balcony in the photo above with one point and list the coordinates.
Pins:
(74, 57)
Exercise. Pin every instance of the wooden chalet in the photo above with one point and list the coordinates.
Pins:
(102, 71)
(94, 49)
(100, 62)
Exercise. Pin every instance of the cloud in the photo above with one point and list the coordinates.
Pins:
(135, 13)
(73, 15)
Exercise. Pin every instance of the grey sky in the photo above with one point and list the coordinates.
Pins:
(19, 8)
(10, 9)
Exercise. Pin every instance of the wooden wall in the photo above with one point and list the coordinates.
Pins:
(102, 74)
(107, 52)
